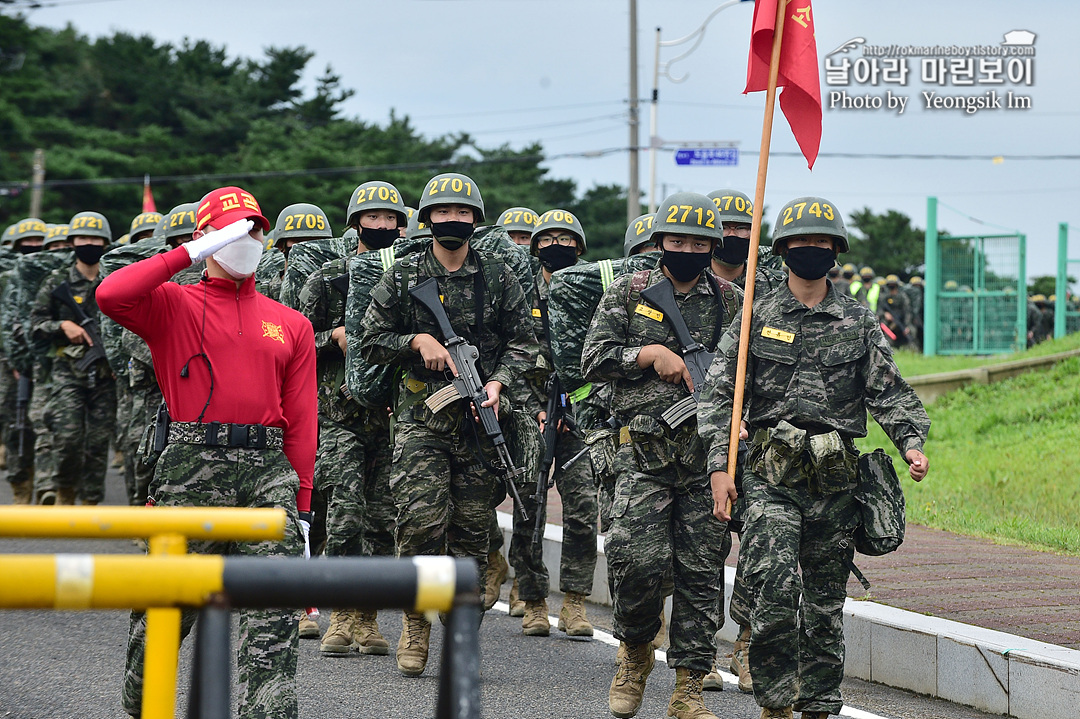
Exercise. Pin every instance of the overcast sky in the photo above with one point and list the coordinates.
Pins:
(555, 71)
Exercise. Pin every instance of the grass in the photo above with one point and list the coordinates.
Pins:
(1004, 459)
(913, 365)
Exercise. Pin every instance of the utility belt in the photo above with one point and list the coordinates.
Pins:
(222, 434)
(655, 446)
(787, 455)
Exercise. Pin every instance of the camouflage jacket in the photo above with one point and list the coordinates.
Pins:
(48, 313)
(623, 324)
(30, 271)
(818, 368)
(897, 305)
(506, 344)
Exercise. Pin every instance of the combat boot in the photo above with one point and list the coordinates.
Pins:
(65, 496)
(713, 682)
(338, 640)
(661, 633)
(686, 700)
(517, 607)
(22, 491)
(118, 459)
(497, 569)
(572, 619)
(412, 648)
(47, 497)
(535, 622)
(740, 663)
(628, 686)
(367, 635)
(776, 713)
(815, 715)
(309, 628)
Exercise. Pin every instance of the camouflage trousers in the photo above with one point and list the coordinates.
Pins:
(145, 400)
(380, 513)
(797, 622)
(662, 521)
(443, 494)
(577, 564)
(81, 419)
(19, 468)
(340, 469)
(195, 475)
(123, 432)
(44, 456)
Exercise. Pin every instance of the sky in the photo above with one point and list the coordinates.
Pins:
(557, 72)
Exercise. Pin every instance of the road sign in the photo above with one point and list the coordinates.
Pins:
(724, 156)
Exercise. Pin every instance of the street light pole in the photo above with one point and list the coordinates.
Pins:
(654, 141)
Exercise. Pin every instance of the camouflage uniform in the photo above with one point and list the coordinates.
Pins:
(19, 468)
(896, 304)
(815, 370)
(441, 487)
(662, 511)
(81, 412)
(194, 475)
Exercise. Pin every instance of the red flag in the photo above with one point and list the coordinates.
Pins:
(147, 196)
(801, 98)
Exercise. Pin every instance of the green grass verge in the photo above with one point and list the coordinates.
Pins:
(1004, 460)
(913, 365)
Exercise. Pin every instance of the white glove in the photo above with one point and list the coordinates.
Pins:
(211, 242)
(305, 530)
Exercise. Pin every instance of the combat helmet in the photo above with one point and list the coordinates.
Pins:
(809, 216)
(27, 228)
(688, 213)
(733, 206)
(416, 228)
(451, 188)
(143, 225)
(181, 223)
(90, 224)
(867, 273)
(301, 221)
(557, 220)
(376, 195)
(54, 234)
(638, 233)
(518, 219)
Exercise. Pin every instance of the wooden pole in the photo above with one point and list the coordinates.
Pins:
(755, 241)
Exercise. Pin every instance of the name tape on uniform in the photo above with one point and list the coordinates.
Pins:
(649, 312)
(775, 334)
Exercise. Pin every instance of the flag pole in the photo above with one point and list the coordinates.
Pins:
(755, 241)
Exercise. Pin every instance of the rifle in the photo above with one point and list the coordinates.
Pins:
(96, 352)
(22, 403)
(556, 416)
(467, 384)
(611, 423)
(697, 358)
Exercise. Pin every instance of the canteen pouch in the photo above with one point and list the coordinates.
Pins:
(602, 444)
(835, 467)
(783, 448)
(881, 506)
(650, 443)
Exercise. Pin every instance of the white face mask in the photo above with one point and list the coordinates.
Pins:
(240, 258)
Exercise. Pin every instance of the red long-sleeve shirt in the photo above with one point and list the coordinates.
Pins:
(262, 353)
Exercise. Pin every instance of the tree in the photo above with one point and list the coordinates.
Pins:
(1046, 285)
(887, 242)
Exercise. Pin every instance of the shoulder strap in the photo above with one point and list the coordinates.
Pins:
(724, 294)
(607, 273)
(639, 281)
(386, 255)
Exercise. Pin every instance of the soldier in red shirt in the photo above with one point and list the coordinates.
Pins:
(237, 371)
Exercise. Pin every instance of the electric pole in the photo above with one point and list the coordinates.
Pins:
(633, 201)
(38, 183)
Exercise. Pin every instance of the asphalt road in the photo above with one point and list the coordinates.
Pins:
(66, 664)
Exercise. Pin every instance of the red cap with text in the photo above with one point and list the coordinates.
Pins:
(226, 205)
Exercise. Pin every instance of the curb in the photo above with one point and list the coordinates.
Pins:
(982, 668)
(931, 386)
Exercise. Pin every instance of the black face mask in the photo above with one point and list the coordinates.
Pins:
(89, 254)
(810, 263)
(685, 266)
(376, 239)
(452, 235)
(29, 249)
(556, 257)
(733, 252)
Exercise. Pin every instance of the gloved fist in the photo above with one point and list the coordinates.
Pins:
(211, 242)
(305, 532)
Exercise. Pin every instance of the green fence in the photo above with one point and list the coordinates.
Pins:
(976, 292)
(1066, 311)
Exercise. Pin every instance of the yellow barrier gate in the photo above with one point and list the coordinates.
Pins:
(169, 579)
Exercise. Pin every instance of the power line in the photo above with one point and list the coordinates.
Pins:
(517, 110)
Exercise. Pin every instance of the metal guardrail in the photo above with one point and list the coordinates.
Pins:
(169, 579)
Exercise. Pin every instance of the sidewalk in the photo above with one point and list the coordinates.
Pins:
(988, 625)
